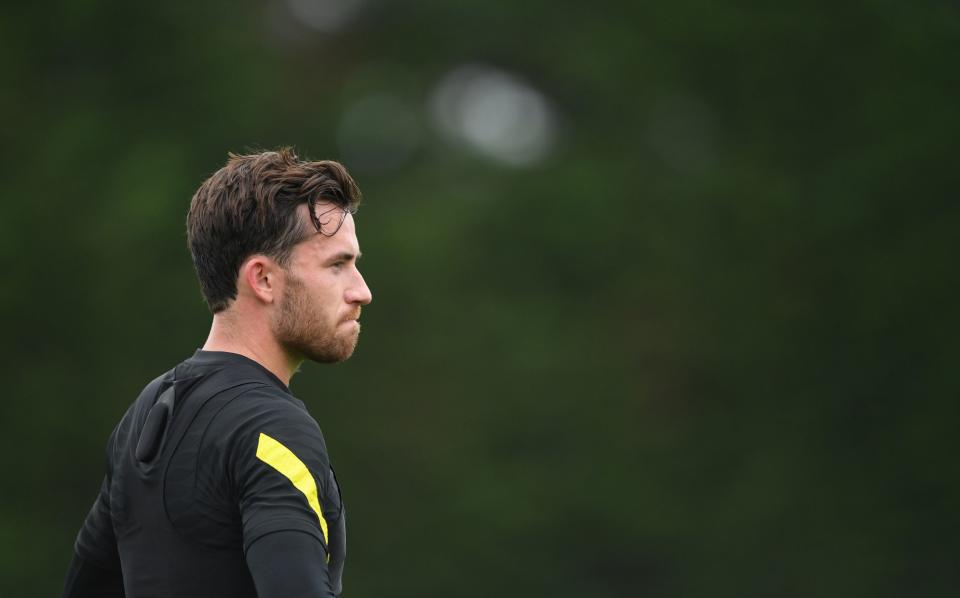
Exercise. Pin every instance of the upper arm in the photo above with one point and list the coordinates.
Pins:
(96, 541)
(95, 569)
(289, 563)
(85, 579)
(279, 468)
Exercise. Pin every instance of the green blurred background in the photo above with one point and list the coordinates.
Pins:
(664, 302)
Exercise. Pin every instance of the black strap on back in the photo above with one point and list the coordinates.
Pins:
(155, 427)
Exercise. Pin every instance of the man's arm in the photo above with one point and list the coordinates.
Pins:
(289, 563)
(86, 580)
(280, 474)
(95, 569)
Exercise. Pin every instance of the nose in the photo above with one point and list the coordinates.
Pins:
(359, 292)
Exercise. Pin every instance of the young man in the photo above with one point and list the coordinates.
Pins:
(218, 481)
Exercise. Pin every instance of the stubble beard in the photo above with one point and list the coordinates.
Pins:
(303, 331)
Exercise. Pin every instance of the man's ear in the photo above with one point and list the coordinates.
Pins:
(259, 278)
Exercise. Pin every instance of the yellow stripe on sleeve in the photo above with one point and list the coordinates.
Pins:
(279, 457)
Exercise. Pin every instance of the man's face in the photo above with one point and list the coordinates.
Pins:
(323, 292)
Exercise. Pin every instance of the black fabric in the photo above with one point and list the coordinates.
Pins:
(283, 564)
(179, 518)
(90, 581)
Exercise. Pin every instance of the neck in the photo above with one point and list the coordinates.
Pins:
(256, 343)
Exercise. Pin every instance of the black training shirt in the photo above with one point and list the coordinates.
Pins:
(213, 456)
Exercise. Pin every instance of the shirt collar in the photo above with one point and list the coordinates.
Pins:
(209, 358)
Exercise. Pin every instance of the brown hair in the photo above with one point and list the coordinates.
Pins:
(250, 206)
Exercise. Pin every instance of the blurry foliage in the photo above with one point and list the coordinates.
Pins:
(706, 348)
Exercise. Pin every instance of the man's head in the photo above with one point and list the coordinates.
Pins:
(274, 236)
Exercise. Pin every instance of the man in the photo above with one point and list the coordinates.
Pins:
(218, 481)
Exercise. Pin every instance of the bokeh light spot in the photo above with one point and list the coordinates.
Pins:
(495, 113)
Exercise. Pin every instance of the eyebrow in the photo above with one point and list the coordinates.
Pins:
(343, 256)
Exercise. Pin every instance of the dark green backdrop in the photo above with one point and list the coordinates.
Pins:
(700, 341)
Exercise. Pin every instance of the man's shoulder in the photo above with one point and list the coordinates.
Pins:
(262, 408)
(263, 418)
(258, 403)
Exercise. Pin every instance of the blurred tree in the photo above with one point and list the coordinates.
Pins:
(703, 346)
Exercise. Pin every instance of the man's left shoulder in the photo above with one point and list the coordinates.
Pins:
(268, 411)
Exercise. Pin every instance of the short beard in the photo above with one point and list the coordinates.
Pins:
(304, 333)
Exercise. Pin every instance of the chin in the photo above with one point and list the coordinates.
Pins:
(335, 352)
